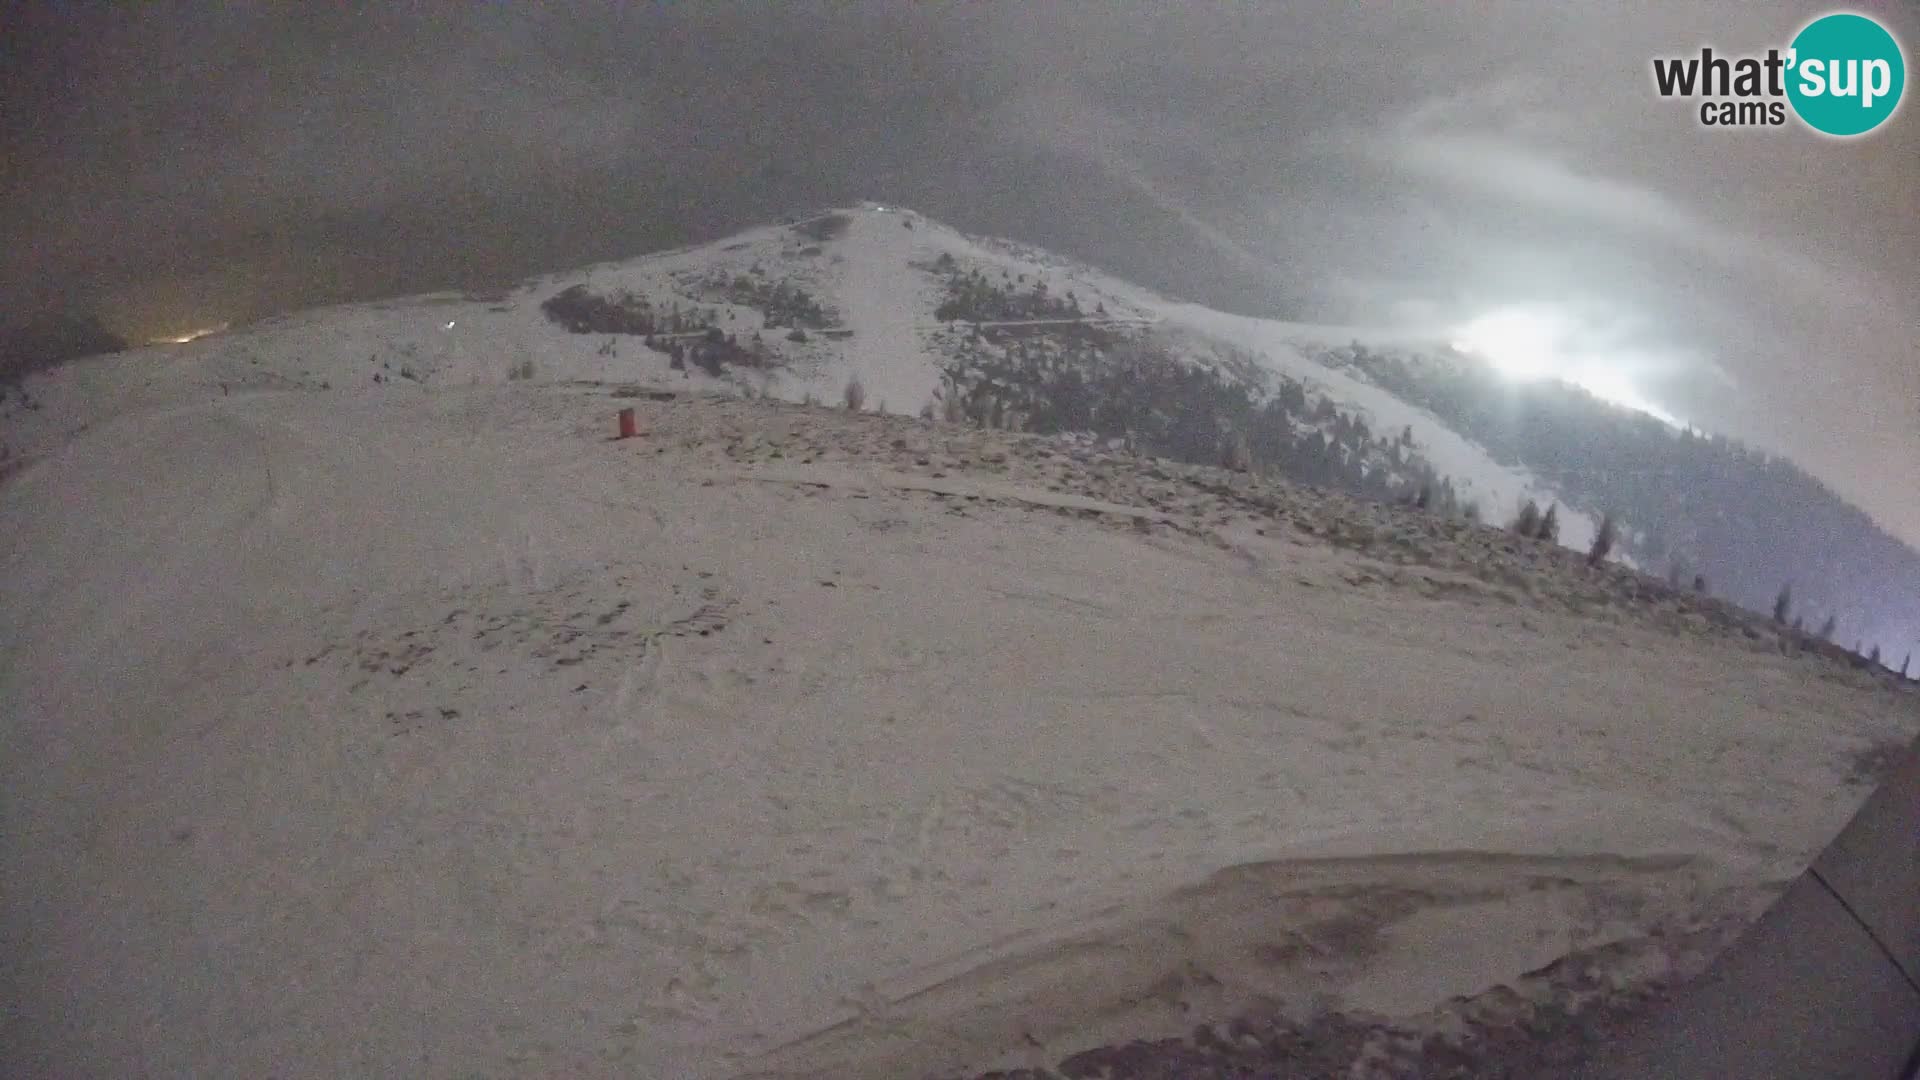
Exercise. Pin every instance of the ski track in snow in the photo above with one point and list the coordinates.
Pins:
(882, 298)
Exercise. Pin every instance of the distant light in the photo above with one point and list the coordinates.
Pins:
(194, 335)
(1526, 344)
(1520, 344)
(1613, 386)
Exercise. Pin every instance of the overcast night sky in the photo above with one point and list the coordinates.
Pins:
(178, 165)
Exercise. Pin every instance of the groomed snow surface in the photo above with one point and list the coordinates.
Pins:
(429, 731)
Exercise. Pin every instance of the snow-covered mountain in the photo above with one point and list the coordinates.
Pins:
(365, 705)
(928, 320)
(912, 309)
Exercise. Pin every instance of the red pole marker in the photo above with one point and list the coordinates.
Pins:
(629, 427)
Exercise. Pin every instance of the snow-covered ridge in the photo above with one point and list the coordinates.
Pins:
(870, 280)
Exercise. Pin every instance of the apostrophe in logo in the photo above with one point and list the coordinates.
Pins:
(1847, 74)
(1843, 75)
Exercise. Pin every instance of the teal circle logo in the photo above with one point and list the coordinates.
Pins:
(1846, 74)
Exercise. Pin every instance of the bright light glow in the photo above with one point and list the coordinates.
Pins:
(191, 335)
(1614, 386)
(1544, 343)
(1522, 344)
